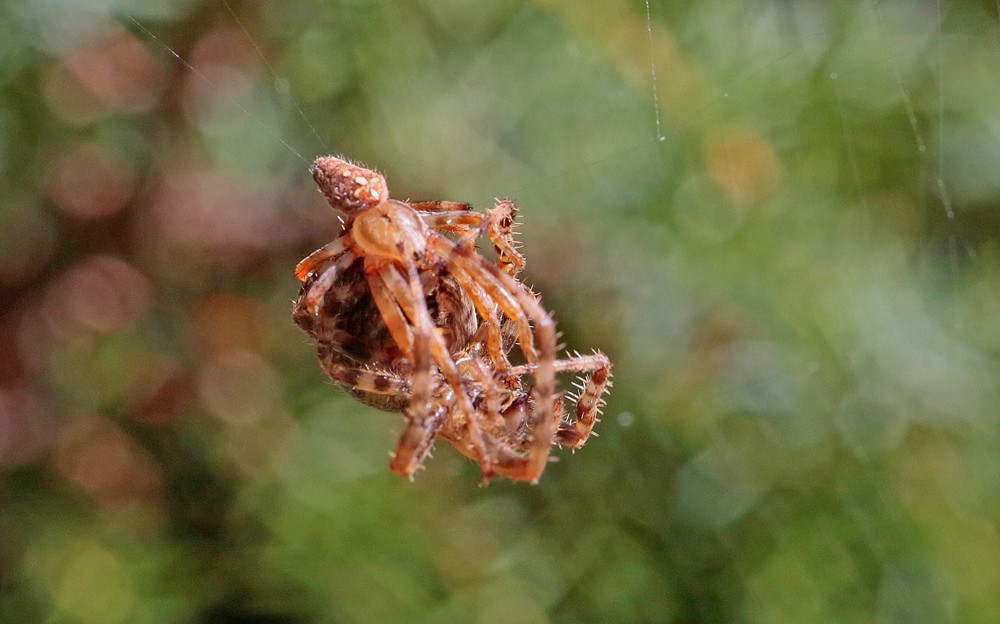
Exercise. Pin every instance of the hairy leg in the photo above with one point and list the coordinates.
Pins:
(491, 325)
(408, 293)
(323, 283)
(455, 222)
(588, 402)
(472, 266)
(388, 307)
(516, 301)
(414, 343)
(491, 395)
(316, 259)
(416, 442)
(439, 205)
(498, 224)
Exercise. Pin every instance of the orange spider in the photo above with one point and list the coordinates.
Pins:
(408, 320)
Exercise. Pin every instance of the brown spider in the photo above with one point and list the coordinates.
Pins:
(408, 320)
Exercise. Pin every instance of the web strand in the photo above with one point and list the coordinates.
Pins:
(852, 157)
(907, 100)
(942, 189)
(208, 81)
(274, 74)
(652, 69)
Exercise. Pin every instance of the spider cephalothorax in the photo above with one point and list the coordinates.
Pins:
(408, 319)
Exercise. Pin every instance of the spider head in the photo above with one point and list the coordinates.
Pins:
(347, 186)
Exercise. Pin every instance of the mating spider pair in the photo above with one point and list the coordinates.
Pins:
(407, 319)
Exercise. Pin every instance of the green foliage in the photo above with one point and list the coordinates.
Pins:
(798, 287)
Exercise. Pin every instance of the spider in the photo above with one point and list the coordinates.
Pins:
(410, 320)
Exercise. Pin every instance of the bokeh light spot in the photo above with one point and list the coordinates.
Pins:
(93, 586)
(742, 163)
(89, 182)
(102, 294)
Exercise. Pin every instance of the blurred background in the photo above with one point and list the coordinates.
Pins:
(779, 218)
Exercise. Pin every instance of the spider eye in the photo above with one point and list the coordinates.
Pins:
(348, 186)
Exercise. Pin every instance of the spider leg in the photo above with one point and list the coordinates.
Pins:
(516, 414)
(440, 206)
(519, 303)
(577, 364)
(588, 402)
(502, 234)
(457, 221)
(447, 216)
(499, 225)
(467, 267)
(327, 252)
(416, 442)
(513, 452)
(419, 432)
(487, 310)
(588, 409)
(489, 406)
(326, 279)
(388, 307)
(409, 294)
(500, 408)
